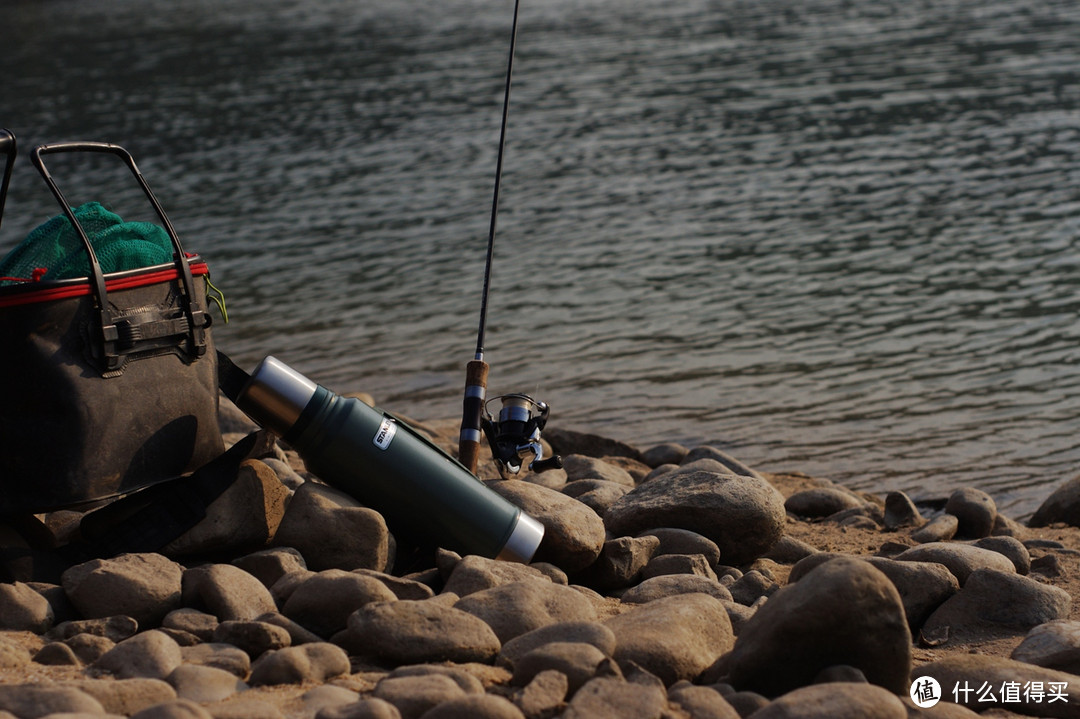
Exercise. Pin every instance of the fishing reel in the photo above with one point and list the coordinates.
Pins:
(515, 435)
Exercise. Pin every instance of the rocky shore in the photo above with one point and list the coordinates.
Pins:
(672, 583)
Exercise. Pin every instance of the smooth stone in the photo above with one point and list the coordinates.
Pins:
(1054, 645)
(744, 516)
(789, 550)
(1002, 598)
(578, 661)
(543, 696)
(664, 453)
(366, 708)
(22, 609)
(55, 654)
(513, 609)
(834, 701)
(668, 585)
(844, 611)
(282, 589)
(244, 517)
(730, 463)
(592, 633)
(327, 696)
(579, 466)
(115, 628)
(483, 706)
(695, 564)
(126, 696)
(751, 587)
(292, 665)
(175, 709)
(143, 586)
(901, 512)
(323, 602)
(414, 695)
(203, 684)
(192, 621)
(567, 442)
(596, 494)
(222, 656)
(923, 586)
(297, 634)
(620, 563)
(700, 702)
(961, 559)
(1063, 505)
(974, 509)
(615, 698)
(674, 540)
(270, 565)
(151, 655)
(468, 683)
(475, 573)
(227, 592)
(415, 631)
(675, 637)
(1012, 548)
(573, 533)
(820, 502)
(251, 637)
(939, 529)
(976, 670)
(332, 531)
(403, 588)
(30, 701)
(89, 647)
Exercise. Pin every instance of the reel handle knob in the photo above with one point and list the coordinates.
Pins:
(543, 465)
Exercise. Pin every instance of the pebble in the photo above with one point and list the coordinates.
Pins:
(615, 698)
(402, 587)
(961, 559)
(176, 709)
(573, 533)
(975, 511)
(115, 628)
(474, 573)
(513, 609)
(203, 684)
(1054, 645)
(751, 587)
(332, 531)
(826, 701)
(730, 463)
(414, 631)
(592, 633)
(142, 586)
(482, 706)
(323, 602)
(671, 584)
(923, 586)
(192, 621)
(844, 611)
(12, 653)
(674, 638)
(1063, 505)
(596, 494)
(700, 702)
(22, 609)
(578, 661)
(1003, 598)
(28, 701)
(620, 563)
(544, 695)
(820, 502)
(683, 541)
(695, 564)
(292, 665)
(1012, 548)
(939, 529)
(743, 515)
(253, 638)
(270, 565)
(581, 467)
(53, 653)
(151, 654)
(126, 696)
(414, 695)
(664, 453)
(900, 512)
(223, 656)
(227, 592)
(367, 708)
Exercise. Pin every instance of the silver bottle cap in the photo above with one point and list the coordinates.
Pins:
(275, 396)
(524, 540)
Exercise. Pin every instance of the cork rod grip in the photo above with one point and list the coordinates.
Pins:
(476, 373)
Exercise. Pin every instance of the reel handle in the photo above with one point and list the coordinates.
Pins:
(476, 373)
(543, 465)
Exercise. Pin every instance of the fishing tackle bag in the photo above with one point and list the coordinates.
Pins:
(108, 380)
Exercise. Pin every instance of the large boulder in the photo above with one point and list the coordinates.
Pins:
(743, 515)
(844, 612)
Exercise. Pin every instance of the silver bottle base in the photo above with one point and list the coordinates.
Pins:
(524, 540)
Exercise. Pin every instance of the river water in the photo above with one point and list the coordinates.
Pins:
(836, 236)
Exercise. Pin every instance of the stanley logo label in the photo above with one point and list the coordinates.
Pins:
(385, 434)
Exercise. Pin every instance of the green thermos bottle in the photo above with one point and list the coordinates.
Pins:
(387, 466)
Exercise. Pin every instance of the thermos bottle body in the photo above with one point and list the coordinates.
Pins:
(388, 466)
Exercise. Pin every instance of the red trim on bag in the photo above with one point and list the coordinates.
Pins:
(49, 294)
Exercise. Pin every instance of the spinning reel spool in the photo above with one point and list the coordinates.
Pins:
(515, 435)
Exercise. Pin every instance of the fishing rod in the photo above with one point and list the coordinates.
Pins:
(516, 433)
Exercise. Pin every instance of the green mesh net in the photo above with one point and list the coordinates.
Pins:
(53, 250)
